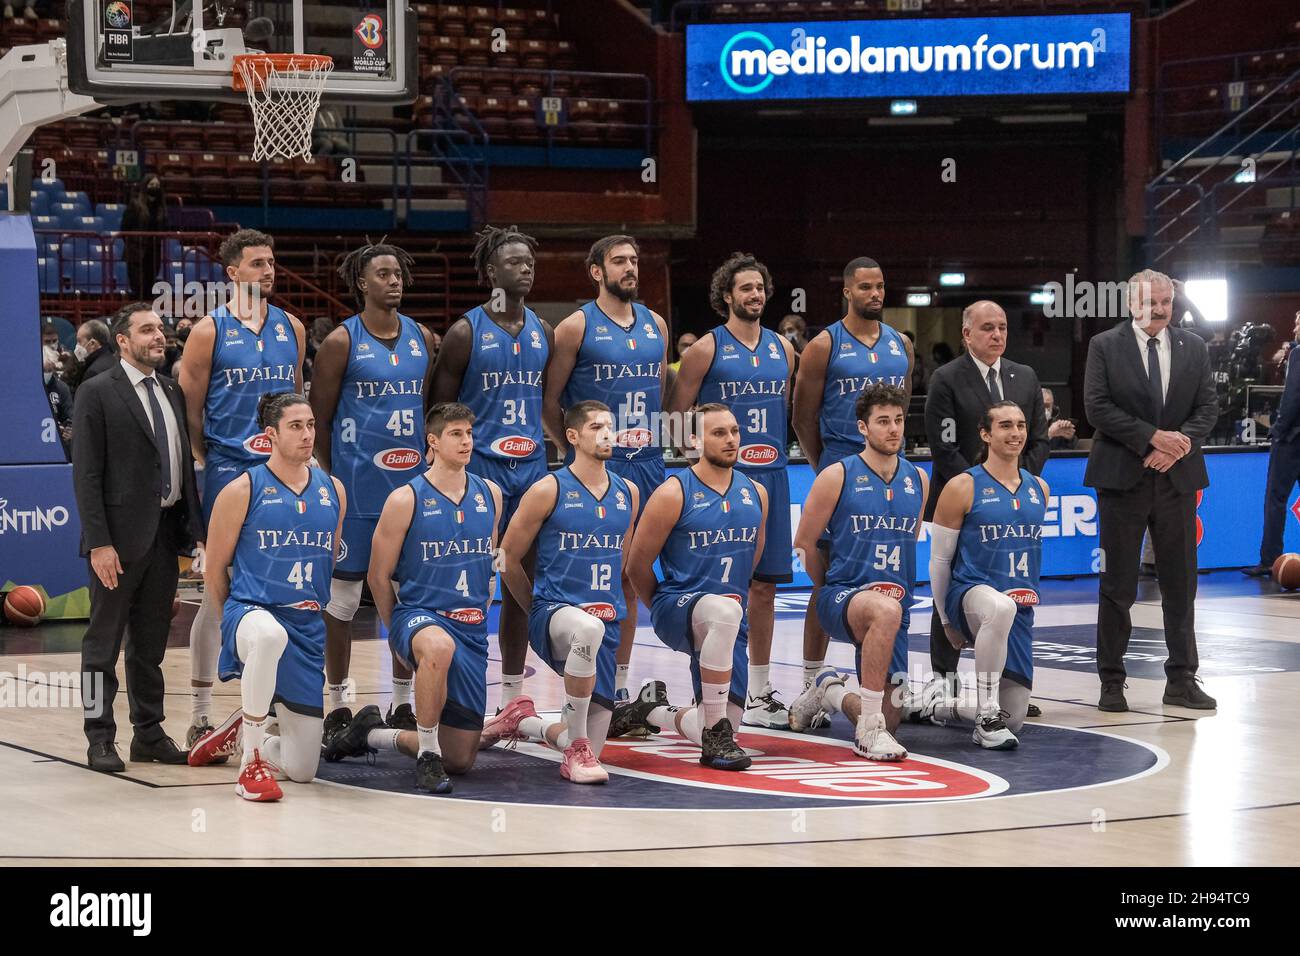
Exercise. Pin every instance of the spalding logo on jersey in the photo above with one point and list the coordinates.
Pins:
(398, 459)
(516, 446)
(758, 454)
(1025, 597)
(600, 610)
(259, 444)
(465, 615)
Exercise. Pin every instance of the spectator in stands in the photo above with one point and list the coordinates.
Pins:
(325, 141)
(315, 336)
(172, 354)
(147, 212)
(50, 334)
(183, 326)
(94, 349)
(918, 364)
(941, 353)
(1060, 431)
(60, 396)
(795, 329)
(684, 341)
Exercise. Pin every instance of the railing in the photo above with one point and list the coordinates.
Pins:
(1225, 70)
(689, 11)
(420, 287)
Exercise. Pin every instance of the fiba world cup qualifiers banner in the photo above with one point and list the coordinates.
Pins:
(969, 56)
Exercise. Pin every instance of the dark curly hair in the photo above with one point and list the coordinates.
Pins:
(722, 279)
(354, 266)
(490, 239)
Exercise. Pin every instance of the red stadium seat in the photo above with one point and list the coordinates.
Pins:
(446, 50)
(523, 120)
(482, 20)
(536, 55)
(584, 124)
(451, 20)
(529, 84)
(475, 51)
(515, 22)
(564, 56)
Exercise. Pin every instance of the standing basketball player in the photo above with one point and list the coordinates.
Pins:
(747, 368)
(494, 360)
(871, 503)
(991, 517)
(614, 350)
(580, 517)
(834, 369)
(367, 390)
(275, 529)
(243, 350)
(435, 541)
(705, 525)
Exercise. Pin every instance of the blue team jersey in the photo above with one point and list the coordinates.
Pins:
(446, 562)
(753, 385)
(285, 553)
(850, 368)
(1000, 543)
(711, 547)
(621, 367)
(378, 430)
(244, 368)
(503, 386)
(873, 530)
(580, 547)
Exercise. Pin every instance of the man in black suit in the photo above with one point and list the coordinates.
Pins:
(134, 481)
(1149, 394)
(959, 394)
(1283, 464)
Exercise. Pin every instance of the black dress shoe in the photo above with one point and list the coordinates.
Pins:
(1112, 697)
(1034, 711)
(1189, 694)
(103, 758)
(162, 750)
(1258, 571)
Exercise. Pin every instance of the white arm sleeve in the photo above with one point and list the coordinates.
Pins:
(943, 545)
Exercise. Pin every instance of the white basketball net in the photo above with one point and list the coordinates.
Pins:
(284, 100)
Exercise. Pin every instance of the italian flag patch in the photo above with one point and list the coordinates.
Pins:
(1015, 504)
(726, 506)
(460, 516)
(753, 360)
(393, 359)
(301, 507)
(874, 357)
(631, 343)
(515, 348)
(600, 511)
(889, 494)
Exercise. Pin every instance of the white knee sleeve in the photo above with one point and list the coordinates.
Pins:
(715, 622)
(296, 751)
(989, 611)
(345, 598)
(575, 639)
(260, 641)
(205, 641)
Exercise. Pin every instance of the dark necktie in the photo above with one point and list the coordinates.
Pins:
(160, 437)
(1153, 371)
(994, 391)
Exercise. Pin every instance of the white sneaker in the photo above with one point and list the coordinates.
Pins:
(992, 733)
(806, 707)
(934, 693)
(765, 710)
(875, 742)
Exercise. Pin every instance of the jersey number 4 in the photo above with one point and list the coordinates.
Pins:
(300, 574)
(1019, 568)
(888, 558)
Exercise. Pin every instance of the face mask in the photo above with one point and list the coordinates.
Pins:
(792, 336)
(80, 352)
(48, 376)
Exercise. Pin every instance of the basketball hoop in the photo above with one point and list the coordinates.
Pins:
(284, 91)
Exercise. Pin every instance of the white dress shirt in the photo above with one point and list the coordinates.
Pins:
(1164, 350)
(984, 373)
(136, 378)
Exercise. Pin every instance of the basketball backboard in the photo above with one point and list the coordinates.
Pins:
(120, 50)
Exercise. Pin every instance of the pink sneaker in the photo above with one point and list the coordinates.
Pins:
(217, 743)
(505, 725)
(580, 764)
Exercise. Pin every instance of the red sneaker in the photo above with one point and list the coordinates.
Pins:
(218, 743)
(505, 725)
(257, 781)
(580, 764)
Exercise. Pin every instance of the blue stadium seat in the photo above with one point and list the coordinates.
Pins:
(120, 281)
(40, 203)
(48, 269)
(80, 200)
(67, 213)
(88, 276)
(45, 222)
(54, 188)
(119, 248)
(90, 224)
(111, 213)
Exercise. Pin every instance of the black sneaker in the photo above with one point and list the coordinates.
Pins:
(1034, 711)
(1112, 697)
(335, 721)
(720, 750)
(403, 718)
(351, 740)
(430, 775)
(1258, 571)
(1188, 694)
(631, 720)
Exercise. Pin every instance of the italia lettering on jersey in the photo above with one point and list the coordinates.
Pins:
(503, 386)
(580, 547)
(873, 530)
(621, 367)
(378, 428)
(285, 553)
(246, 366)
(711, 547)
(850, 368)
(753, 384)
(1000, 543)
(445, 565)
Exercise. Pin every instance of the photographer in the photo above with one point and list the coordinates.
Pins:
(1060, 431)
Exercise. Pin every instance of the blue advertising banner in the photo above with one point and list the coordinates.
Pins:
(968, 56)
(40, 537)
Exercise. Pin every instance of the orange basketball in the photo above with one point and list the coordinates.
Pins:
(24, 606)
(1286, 571)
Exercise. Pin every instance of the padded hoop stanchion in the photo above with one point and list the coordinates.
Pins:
(284, 91)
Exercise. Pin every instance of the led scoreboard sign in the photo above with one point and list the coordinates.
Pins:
(969, 56)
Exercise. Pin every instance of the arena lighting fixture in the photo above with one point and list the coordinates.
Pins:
(952, 278)
(902, 108)
(1041, 297)
(917, 299)
(1210, 296)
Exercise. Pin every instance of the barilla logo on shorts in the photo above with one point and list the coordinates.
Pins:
(734, 597)
(802, 767)
(304, 606)
(600, 610)
(258, 444)
(465, 615)
(887, 588)
(398, 459)
(1025, 597)
(758, 454)
(633, 438)
(515, 446)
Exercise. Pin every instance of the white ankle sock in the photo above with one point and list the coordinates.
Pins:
(512, 685)
(758, 679)
(402, 691)
(620, 676)
(338, 695)
(871, 702)
(811, 669)
(428, 740)
(713, 702)
(254, 733)
(834, 697)
(575, 720)
(383, 739)
(201, 705)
